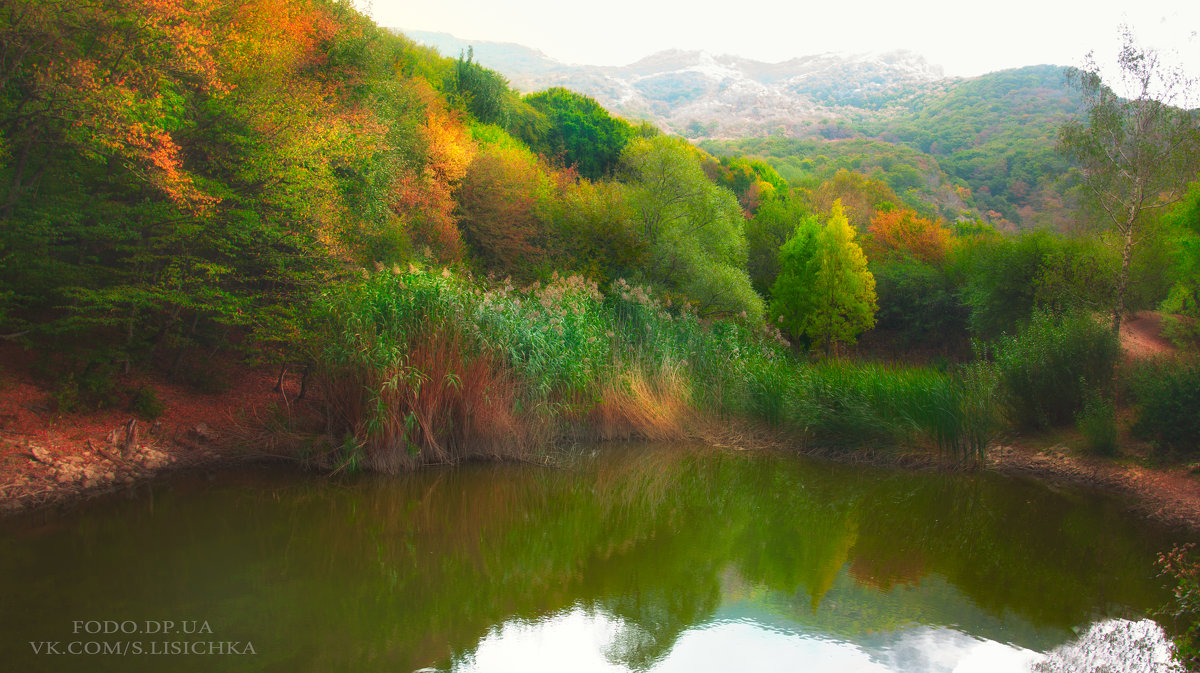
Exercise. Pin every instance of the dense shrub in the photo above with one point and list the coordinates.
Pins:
(146, 403)
(1097, 421)
(1007, 279)
(1167, 395)
(1050, 366)
(919, 304)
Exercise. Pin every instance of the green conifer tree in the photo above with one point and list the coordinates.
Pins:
(824, 292)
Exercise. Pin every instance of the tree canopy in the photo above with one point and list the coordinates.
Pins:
(578, 132)
(1137, 153)
(824, 291)
(694, 228)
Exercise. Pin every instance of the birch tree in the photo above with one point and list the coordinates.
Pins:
(1138, 147)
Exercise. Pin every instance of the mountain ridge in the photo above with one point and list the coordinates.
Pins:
(705, 95)
(994, 135)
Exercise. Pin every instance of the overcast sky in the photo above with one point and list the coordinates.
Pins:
(965, 38)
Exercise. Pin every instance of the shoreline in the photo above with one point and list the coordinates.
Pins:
(1170, 496)
(49, 459)
(71, 479)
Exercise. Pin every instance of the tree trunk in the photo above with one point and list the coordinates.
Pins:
(1122, 280)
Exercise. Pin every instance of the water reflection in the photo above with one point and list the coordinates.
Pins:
(590, 642)
(646, 558)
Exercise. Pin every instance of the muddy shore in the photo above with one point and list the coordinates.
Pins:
(57, 468)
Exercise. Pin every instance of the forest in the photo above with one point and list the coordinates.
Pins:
(461, 270)
(286, 180)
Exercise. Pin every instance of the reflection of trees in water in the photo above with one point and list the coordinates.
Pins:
(383, 573)
(646, 536)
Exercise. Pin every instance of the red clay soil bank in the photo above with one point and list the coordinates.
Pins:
(47, 457)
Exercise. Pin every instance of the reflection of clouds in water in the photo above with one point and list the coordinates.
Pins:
(574, 640)
(942, 650)
(749, 646)
(630, 644)
(586, 642)
(746, 646)
(1114, 646)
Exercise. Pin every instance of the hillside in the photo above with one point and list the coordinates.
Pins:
(997, 134)
(980, 147)
(702, 95)
(917, 178)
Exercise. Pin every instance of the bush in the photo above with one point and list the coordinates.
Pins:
(1005, 280)
(1167, 395)
(145, 403)
(1182, 566)
(918, 302)
(1098, 423)
(1051, 365)
(91, 388)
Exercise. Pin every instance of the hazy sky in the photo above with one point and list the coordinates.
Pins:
(965, 38)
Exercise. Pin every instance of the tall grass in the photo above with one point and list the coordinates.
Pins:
(1097, 422)
(419, 367)
(404, 383)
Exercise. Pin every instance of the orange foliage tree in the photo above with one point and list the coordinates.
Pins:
(83, 78)
(900, 232)
(170, 164)
(500, 201)
(424, 195)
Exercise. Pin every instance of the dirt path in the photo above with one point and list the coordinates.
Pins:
(1141, 337)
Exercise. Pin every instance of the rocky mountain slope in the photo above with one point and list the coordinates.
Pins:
(699, 94)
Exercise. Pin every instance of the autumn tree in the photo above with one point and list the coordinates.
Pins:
(96, 112)
(772, 225)
(861, 197)
(753, 181)
(824, 292)
(1137, 147)
(594, 231)
(423, 194)
(172, 169)
(499, 206)
(901, 232)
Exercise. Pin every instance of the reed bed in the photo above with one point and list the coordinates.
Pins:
(423, 367)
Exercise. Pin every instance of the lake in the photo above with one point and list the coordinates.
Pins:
(625, 558)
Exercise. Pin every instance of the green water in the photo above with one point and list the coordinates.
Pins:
(635, 558)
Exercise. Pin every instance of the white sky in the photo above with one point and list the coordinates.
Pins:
(964, 37)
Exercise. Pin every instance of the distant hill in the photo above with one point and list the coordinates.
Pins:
(504, 57)
(984, 145)
(916, 177)
(702, 95)
(997, 133)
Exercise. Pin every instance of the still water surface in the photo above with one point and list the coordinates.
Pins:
(638, 558)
